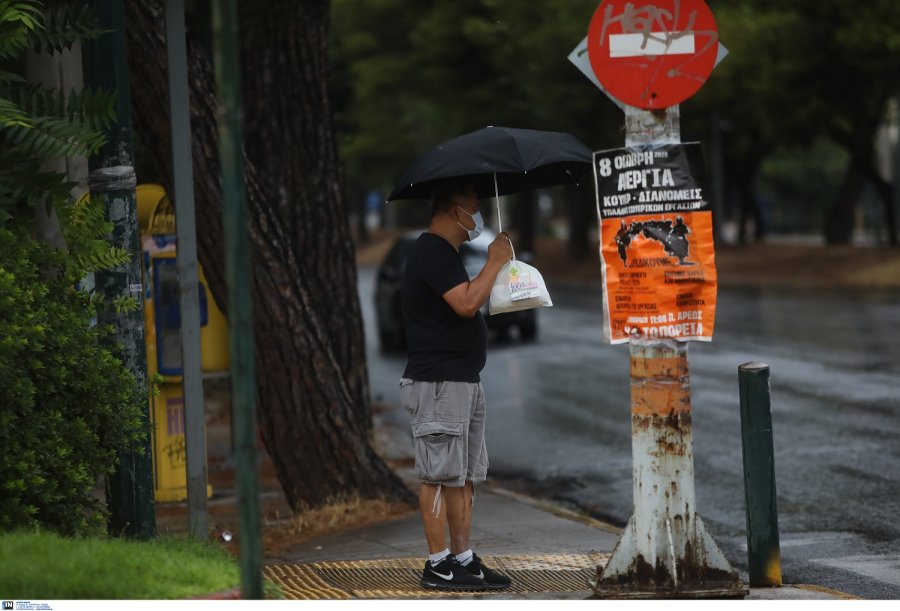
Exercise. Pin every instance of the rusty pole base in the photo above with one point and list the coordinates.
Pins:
(697, 569)
(626, 594)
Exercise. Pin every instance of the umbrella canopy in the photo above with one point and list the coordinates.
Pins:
(519, 160)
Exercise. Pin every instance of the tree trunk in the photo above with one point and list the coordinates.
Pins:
(885, 193)
(858, 141)
(290, 138)
(841, 218)
(524, 217)
(582, 216)
(61, 71)
(748, 206)
(314, 411)
(750, 211)
(358, 198)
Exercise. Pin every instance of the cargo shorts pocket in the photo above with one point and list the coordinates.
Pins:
(439, 452)
(408, 399)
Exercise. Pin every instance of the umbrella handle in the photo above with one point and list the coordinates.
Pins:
(500, 217)
(497, 201)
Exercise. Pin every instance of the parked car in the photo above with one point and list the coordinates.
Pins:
(474, 255)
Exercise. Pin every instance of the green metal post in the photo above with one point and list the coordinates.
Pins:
(240, 306)
(763, 550)
(130, 494)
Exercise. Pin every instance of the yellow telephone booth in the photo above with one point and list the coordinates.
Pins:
(162, 326)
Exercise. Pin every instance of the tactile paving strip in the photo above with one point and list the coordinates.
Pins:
(399, 577)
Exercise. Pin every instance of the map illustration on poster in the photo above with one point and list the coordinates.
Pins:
(656, 243)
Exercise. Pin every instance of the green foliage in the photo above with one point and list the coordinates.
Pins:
(796, 184)
(90, 109)
(68, 403)
(66, 23)
(40, 565)
(86, 228)
(19, 19)
(47, 137)
(10, 114)
(797, 72)
(434, 70)
(431, 70)
(37, 125)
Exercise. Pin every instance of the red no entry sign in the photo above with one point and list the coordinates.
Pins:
(652, 53)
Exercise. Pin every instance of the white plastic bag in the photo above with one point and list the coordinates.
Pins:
(518, 287)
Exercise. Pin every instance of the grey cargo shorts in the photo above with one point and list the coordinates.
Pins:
(447, 430)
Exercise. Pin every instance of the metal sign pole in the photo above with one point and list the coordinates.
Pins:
(186, 262)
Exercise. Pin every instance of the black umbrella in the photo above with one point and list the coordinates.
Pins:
(499, 160)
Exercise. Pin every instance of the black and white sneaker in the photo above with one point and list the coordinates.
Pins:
(492, 579)
(449, 574)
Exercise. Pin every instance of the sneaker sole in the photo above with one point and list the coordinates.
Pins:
(436, 585)
(496, 586)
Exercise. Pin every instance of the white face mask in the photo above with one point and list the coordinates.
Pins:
(479, 224)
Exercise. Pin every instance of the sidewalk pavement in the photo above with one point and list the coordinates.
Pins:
(549, 551)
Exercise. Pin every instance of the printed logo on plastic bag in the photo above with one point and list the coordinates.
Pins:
(522, 283)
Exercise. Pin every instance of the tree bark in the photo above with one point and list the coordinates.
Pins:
(885, 192)
(582, 216)
(314, 411)
(841, 218)
(743, 177)
(524, 220)
(290, 138)
(857, 139)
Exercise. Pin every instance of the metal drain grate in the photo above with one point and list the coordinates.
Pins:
(399, 577)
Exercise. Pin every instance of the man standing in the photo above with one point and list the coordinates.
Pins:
(446, 340)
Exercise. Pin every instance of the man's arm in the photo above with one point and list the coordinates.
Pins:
(466, 298)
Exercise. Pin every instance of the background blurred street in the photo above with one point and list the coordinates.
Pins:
(559, 425)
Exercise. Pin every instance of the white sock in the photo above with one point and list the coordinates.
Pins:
(436, 559)
(465, 557)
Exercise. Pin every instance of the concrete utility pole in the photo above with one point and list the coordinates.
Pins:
(666, 550)
(130, 494)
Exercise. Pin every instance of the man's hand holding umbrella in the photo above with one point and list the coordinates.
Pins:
(500, 249)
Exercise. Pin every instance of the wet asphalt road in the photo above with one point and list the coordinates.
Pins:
(559, 422)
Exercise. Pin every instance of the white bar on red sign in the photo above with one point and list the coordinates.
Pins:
(656, 43)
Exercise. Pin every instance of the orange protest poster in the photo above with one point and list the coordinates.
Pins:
(656, 243)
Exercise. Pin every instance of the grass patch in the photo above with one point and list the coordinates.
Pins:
(39, 565)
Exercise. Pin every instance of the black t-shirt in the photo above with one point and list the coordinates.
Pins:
(442, 346)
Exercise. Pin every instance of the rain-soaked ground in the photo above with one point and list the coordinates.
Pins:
(559, 422)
